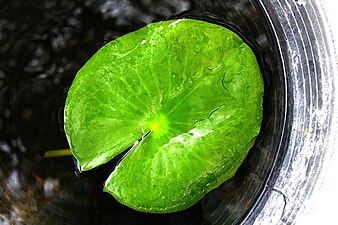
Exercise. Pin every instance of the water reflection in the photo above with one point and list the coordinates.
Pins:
(43, 44)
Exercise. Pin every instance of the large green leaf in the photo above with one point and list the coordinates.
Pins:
(193, 87)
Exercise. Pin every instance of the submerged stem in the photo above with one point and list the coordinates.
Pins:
(57, 153)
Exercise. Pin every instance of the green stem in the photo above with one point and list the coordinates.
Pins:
(57, 153)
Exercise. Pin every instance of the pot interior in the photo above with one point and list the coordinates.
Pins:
(44, 44)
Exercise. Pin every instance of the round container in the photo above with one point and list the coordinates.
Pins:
(43, 45)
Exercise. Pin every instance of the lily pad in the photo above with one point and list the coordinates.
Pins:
(186, 95)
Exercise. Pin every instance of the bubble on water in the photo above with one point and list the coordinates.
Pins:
(50, 185)
(20, 145)
(4, 220)
(42, 76)
(14, 180)
(5, 147)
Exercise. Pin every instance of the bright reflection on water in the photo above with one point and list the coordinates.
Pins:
(43, 45)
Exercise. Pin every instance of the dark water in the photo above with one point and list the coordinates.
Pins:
(42, 46)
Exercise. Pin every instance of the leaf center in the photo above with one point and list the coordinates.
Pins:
(158, 125)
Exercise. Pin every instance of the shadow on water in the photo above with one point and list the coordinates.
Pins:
(43, 45)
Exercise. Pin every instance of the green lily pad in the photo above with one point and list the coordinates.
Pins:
(186, 94)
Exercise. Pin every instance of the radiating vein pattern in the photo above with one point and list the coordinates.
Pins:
(186, 95)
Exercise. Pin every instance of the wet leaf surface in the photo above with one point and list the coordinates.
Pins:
(186, 94)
